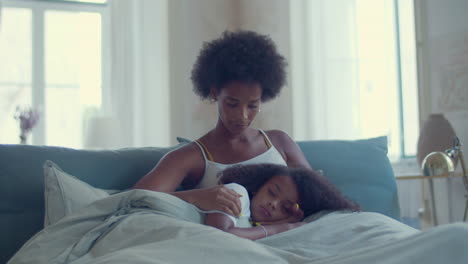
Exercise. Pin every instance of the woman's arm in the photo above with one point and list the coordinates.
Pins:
(291, 152)
(223, 222)
(186, 164)
(179, 165)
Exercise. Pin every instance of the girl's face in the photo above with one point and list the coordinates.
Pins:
(276, 201)
(238, 104)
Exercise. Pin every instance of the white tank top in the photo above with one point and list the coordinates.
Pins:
(212, 168)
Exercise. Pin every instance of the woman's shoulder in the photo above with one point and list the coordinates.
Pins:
(187, 160)
(186, 151)
(279, 138)
(276, 133)
(289, 149)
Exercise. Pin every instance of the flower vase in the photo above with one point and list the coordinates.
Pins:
(23, 138)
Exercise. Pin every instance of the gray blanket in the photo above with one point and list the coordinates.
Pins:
(141, 226)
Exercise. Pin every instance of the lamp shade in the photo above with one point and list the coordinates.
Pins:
(436, 135)
(437, 163)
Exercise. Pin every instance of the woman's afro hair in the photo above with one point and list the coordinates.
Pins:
(243, 56)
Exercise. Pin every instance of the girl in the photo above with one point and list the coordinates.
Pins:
(238, 71)
(275, 198)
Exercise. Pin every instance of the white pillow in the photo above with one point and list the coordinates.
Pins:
(64, 193)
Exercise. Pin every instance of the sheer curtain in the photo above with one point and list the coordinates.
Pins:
(324, 69)
(343, 70)
(139, 92)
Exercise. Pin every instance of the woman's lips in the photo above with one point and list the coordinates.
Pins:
(239, 126)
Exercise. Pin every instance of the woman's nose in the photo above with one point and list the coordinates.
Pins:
(244, 112)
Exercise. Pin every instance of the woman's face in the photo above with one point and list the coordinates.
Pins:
(276, 201)
(238, 104)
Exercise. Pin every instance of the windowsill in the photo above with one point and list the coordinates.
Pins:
(406, 167)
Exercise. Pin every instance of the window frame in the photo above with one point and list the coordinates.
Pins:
(38, 9)
(404, 156)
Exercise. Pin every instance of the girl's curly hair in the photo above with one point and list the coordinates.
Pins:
(243, 56)
(316, 193)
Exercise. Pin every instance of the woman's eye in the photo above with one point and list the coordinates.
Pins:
(253, 106)
(232, 105)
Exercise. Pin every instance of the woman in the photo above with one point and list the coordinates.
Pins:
(239, 71)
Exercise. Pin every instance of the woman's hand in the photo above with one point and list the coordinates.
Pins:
(217, 198)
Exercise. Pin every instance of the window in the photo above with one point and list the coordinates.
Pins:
(53, 60)
(15, 69)
(358, 73)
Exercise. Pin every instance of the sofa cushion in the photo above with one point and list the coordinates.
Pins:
(64, 193)
(360, 169)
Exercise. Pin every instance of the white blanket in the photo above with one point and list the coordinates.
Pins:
(149, 227)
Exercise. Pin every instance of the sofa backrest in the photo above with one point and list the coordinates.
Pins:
(360, 169)
(22, 182)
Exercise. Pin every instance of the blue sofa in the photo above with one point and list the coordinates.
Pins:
(360, 169)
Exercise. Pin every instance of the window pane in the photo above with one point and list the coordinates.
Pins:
(73, 74)
(408, 76)
(15, 69)
(378, 77)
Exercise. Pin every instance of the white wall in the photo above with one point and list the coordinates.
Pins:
(446, 44)
(271, 17)
(193, 22)
(443, 55)
(190, 24)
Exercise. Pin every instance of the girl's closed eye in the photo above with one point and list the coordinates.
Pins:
(288, 208)
(271, 192)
